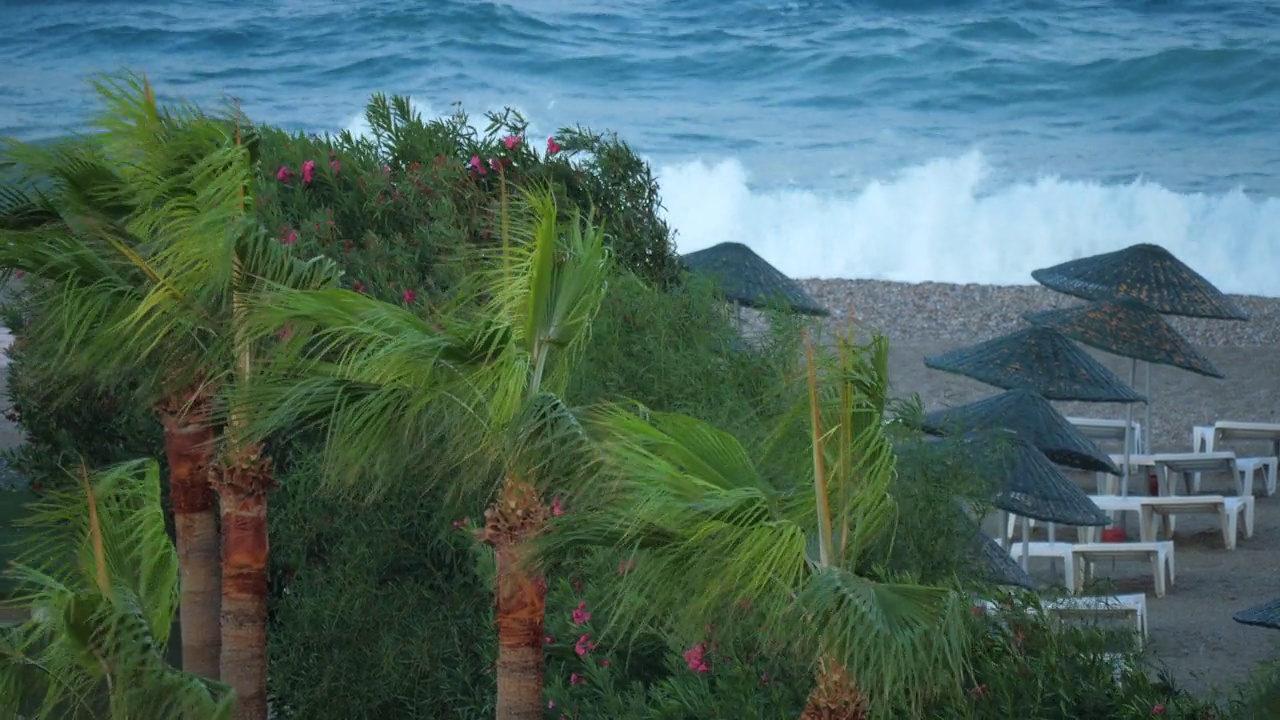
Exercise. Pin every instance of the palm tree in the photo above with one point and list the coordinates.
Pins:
(707, 529)
(63, 224)
(101, 581)
(150, 244)
(488, 372)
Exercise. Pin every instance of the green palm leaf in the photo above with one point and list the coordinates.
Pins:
(485, 370)
(99, 577)
(708, 531)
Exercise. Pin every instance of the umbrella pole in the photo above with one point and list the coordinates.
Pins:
(1026, 541)
(1128, 431)
(1146, 420)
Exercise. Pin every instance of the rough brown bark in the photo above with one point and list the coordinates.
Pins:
(835, 697)
(520, 599)
(188, 446)
(242, 490)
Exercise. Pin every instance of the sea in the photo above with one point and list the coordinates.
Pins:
(967, 141)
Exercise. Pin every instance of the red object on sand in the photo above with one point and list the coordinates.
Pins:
(1113, 534)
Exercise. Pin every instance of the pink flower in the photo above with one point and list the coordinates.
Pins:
(358, 287)
(584, 646)
(696, 658)
(552, 146)
(408, 296)
(626, 566)
(477, 167)
(576, 679)
(386, 169)
(284, 333)
(511, 141)
(335, 166)
(308, 172)
(288, 236)
(580, 615)
(284, 174)
(551, 704)
(1157, 709)
(605, 662)
(556, 508)
(548, 639)
(459, 524)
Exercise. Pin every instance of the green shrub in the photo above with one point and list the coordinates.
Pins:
(65, 422)
(593, 674)
(678, 351)
(1026, 664)
(377, 610)
(384, 609)
(395, 208)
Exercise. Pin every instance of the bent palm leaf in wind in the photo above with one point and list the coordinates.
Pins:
(64, 223)
(166, 208)
(488, 373)
(100, 579)
(709, 531)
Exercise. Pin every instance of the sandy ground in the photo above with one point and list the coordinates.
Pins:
(1191, 629)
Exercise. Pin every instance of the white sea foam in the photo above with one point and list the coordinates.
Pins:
(945, 221)
(939, 222)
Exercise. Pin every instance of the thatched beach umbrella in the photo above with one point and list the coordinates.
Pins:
(747, 279)
(1030, 485)
(995, 564)
(1148, 273)
(1265, 615)
(1031, 416)
(1127, 327)
(1038, 359)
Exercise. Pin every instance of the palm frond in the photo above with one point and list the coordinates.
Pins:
(676, 446)
(707, 532)
(901, 642)
(376, 375)
(545, 287)
(99, 577)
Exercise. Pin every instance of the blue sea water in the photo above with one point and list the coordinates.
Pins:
(947, 140)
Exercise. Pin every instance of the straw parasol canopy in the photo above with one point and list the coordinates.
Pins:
(1031, 416)
(747, 279)
(1030, 485)
(1146, 272)
(1265, 615)
(1129, 328)
(1039, 359)
(997, 566)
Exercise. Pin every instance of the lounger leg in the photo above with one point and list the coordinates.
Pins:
(1157, 564)
(1230, 525)
(1249, 504)
(1069, 572)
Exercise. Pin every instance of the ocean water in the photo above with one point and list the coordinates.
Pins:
(952, 140)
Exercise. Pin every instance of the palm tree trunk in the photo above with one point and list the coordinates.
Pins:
(836, 696)
(521, 600)
(188, 446)
(242, 490)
